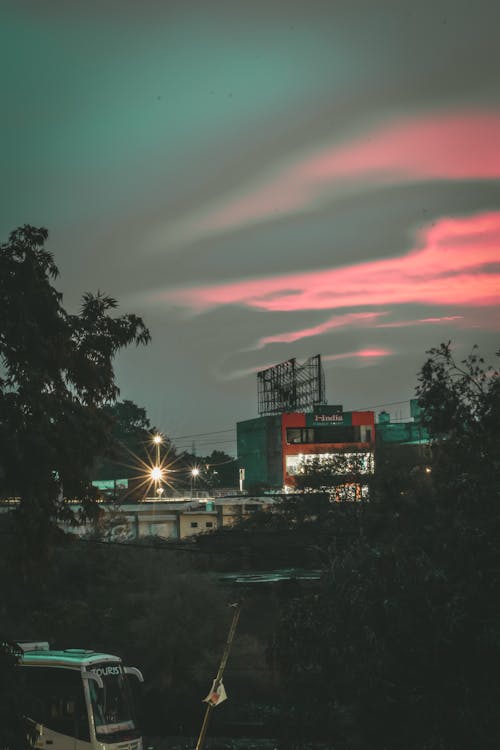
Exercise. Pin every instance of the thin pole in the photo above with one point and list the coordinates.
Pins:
(227, 648)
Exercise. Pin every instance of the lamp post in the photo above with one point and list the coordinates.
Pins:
(157, 441)
(156, 475)
(157, 472)
(194, 473)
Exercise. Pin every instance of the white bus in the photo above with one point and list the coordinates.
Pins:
(78, 699)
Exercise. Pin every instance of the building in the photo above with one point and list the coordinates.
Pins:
(274, 450)
(403, 432)
(260, 451)
(170, 519)
(403, 445)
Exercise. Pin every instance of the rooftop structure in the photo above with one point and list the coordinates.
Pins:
(291, 386)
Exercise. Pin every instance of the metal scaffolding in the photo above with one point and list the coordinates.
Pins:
(290, 386)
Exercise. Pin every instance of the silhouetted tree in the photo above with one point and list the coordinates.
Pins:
(215, 470)
(220, 469)
(129, 441)
(16, 733)
(400, 646)
(57, 377)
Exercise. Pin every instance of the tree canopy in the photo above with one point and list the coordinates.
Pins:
(130, 437)
(57, 378)
(400, 645)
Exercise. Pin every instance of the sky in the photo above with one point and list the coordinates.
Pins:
(261, 181)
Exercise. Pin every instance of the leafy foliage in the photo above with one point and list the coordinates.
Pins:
(400, 646)
(343, 475)
(215, 470)
(57, 377)
(15, 732)
(129, 440)
(222, 469)
(461, 403)
(156, 608)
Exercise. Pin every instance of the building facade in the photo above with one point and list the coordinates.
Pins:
(169, 519)
(276, 450)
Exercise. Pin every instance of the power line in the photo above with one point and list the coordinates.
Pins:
(222, 463)
(206, 440)
(377, 406)
(187, 448)
(233, 429)
(202, 434)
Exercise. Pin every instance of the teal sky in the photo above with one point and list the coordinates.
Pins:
(176, 149)
(124, 105)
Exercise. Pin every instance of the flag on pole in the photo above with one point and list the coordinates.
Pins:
(216, 694)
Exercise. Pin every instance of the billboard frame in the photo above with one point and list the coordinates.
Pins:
(290, 386)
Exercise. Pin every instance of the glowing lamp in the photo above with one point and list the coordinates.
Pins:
(156, 474)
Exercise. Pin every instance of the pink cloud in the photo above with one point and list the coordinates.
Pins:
(361, 354)
(421, 321)
(337, 321)
(236, 374)
(445, 146)
(455, 262)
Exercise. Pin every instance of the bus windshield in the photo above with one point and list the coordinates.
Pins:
(111, 705)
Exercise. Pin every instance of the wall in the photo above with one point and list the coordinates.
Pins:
(259, 451)
(365, 421)
(204, 520)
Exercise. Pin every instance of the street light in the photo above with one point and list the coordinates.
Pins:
(195, 472)
(157, 441)
(156, 474)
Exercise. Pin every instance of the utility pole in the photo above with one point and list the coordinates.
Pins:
(227, 648)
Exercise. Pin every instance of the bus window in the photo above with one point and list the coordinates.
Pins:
(114, 719)
(55, 699)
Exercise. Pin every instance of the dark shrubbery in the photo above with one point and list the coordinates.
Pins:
(400, 648)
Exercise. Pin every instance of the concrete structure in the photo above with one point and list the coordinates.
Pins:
(169, 519)
(232, 510)
(196, 520)
(260, 451)
(273, 449)
(408, 432)
(403, 446)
